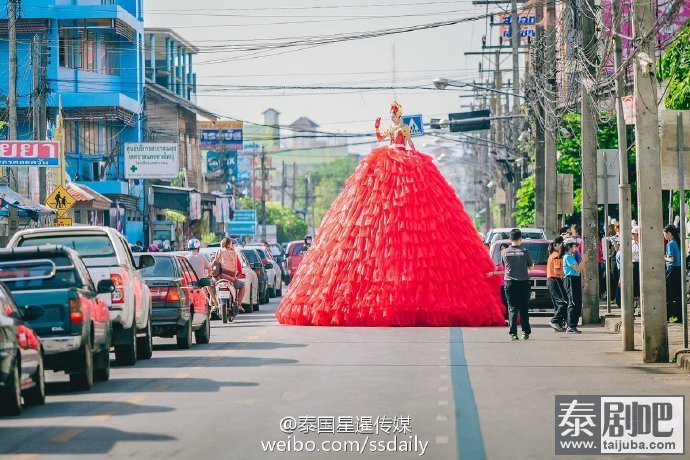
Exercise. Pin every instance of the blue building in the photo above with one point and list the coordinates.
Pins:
(95, 68)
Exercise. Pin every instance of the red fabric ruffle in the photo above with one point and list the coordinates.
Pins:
(396, 249)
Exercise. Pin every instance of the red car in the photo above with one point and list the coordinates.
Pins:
(539, 250)
(179, 303)
(294, 254)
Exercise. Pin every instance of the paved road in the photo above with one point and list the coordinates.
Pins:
(455, 393)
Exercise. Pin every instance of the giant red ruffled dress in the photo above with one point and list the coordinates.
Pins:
(396, 248)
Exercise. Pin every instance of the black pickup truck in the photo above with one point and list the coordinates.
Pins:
(74, 327)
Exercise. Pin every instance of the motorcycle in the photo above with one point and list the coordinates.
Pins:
(227, 300)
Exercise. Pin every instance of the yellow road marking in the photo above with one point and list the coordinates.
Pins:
(160, 387)
(66, 435)
(198, 368)
(182, 376)
(229, 352)
(137, 399)
(253, 337)
(24, 457)
(102, 417)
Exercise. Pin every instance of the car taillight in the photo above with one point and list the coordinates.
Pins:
(118, 295)
(22, 339)
(158, 293)
(76, 315)
(173, 294)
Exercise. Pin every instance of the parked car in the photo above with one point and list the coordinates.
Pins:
(108, 257)
(504, 234)
(539, 250)
(75, 326)
(294, 254)
(255, 264)
(275, 278)
(279, 256)
(251, 280)
(21, 357)
(180, 305)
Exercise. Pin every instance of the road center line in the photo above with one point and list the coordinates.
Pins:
(66, 435)
(160, 387)
(102, 417)
(137, 399)
(183, 375)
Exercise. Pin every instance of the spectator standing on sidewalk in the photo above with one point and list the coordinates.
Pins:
(554, 281)
(573, 283)
(673, 277)
(516, 263)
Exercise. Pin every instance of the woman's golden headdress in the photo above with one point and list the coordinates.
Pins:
(396, 108)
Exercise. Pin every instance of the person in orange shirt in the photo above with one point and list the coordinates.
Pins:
(554, 281)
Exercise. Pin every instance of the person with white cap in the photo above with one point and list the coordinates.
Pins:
(573, 283)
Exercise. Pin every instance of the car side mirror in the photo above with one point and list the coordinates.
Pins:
(257, 266)
(32, 312)
(146, 261)
(105, 287)
(205, 282)
(268, 266)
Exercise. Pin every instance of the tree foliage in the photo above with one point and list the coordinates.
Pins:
(674, 66)
(289, 225)
(525, 213)
(327, 180)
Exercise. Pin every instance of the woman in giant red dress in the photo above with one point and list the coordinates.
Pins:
(396, 249)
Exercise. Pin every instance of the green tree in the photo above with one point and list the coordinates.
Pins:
(525, 213)
(328, 180)
(289, 225)
(674, 67)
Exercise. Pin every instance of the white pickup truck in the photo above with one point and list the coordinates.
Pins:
(107, 255)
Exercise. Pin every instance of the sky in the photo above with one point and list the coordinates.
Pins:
(410, 59)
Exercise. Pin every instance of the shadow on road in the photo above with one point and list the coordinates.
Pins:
(146, 385)
(85, 408)
(86, 440)
(229, 361)
(260, 345)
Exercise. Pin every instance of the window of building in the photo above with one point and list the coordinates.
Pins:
(69, 48)
(110, 55)
(92, 137)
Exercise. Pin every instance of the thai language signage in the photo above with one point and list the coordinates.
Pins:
(151, 161)
(30, 153)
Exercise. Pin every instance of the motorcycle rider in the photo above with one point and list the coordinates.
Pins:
(201, 266)
(231, 268)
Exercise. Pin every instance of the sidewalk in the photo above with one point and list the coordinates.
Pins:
(612, 323)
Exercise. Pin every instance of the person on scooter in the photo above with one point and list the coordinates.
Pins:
(201, 266)
(231, 268)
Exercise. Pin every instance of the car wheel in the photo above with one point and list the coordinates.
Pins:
(145, 344)
(203, 335)
(102, 363)
(36, 395)
(184, 336)
(11, 395)
(126, 355)
(250, 308)
(83, 381)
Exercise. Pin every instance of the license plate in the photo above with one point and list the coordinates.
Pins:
(533, 296)
(223, 294)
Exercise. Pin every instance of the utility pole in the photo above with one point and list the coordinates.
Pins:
(498, 109)
(264, 173)
(590, 209)
(515, 40)
(652, 282)
(550, 123)
(283, 186)
(39, 104)
(624, 207)
(43, 115)
(539, 126)
(12, 93)
(293, 195)
(306, 198)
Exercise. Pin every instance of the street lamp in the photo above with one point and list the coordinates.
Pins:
(443, 83)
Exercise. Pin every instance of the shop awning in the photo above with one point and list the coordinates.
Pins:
(26, 207)
(87, 198)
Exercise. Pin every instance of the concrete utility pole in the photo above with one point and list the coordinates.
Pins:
(652, 282)
(39, 71)
(293, 195)
(498, 111)
(264, 173)
(12, 92)
(550, 123)
(283, 186)
(515, 40)
(590, 209)
(625, 211)
(539, 126)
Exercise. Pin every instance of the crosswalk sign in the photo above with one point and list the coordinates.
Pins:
(60, 200)
(415, 123)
